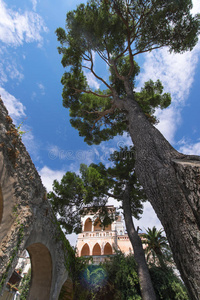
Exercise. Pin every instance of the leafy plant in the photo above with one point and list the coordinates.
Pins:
(25, 285)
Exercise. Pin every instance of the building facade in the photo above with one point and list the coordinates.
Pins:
(99, 242)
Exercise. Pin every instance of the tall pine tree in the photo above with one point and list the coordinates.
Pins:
(117, 31)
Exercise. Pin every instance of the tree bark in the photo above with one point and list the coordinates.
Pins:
(156, 168)
(146, 286)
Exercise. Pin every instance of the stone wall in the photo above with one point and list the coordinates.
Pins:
(26, 218)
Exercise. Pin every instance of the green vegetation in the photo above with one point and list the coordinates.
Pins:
(117, 279)
(25, 285)
(116, 32)
(157, 248)
(93, 187)
(167, 285)
(14, 253)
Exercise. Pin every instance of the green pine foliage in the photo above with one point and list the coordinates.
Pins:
(117, 31)
(92, 188)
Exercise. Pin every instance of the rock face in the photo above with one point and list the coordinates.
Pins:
(26, 218)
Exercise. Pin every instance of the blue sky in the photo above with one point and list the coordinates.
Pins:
(30, 73)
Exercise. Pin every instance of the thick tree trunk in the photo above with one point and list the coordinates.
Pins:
(157, 167)
(146, 286)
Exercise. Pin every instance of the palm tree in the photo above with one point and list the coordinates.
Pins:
(156, 247)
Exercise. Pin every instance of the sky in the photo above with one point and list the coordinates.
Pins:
(30, 74)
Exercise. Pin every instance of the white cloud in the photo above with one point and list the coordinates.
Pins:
(190, 149)
(93, 83)
(17, 28)
(168, 125)
(176, 71)
(15, 108)
(196, 7)
(72, 238)
(48, 176)
(9, 68)
(32, 146)
(3, 75)
(34, 3)
(13, 71)
(148, 219)
(42, 88)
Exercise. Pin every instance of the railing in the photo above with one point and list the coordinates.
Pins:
(95, 234)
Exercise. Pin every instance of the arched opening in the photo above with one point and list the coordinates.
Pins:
(19, 281)
(66, 292)
(96, 250)
(107, 249)
(1, 205)
(97, 225)
(41, 271)
(88, 225)
(85, 250)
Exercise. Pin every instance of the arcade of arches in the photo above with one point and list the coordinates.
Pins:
(100, 242)
(96, 250)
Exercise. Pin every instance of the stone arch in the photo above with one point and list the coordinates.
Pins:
(41, 271)
(85, 251)
(88, 225)
(108, 249)
(66, 292)
(1, 205)
(96, 249)
(97, 225)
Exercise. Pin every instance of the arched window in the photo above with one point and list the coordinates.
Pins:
(85, 250)
(97, 225)
(88, 225)
(108, 249)
(96, 250)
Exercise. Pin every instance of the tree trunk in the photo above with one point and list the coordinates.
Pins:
(146, 286)
(156, 168)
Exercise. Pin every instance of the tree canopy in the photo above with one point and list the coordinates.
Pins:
(92, 189)
(117, 31)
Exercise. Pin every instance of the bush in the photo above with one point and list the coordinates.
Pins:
(167, 285)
